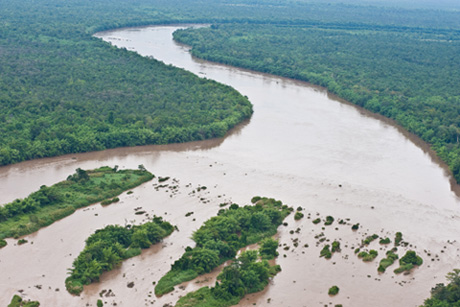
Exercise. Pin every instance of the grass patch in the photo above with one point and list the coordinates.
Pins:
(49, 204)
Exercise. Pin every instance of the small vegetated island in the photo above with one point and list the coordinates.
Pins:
(108, 247)
(217, 241)
(49, 204)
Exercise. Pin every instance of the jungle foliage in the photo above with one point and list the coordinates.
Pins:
(446, 295)
(49, 204)
(243, 276)
(222, 236)
(108, 247)
(410, 75)
(64, 91)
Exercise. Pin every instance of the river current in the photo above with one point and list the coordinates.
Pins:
(301, 146)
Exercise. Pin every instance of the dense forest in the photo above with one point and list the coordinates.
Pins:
(409, 75)
(446, 296)
(64, 91)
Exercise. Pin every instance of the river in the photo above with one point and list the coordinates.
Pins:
(301, 146)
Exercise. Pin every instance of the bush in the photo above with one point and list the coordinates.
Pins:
(317, 221)
(334, 290)
(408, 261)
(3, 243)
(298, 215)
(398, 238)
(100, 303)
(386, 262)
(325, 252)
(329, 220)
(385, 241)
(335, 246)
(355, 226)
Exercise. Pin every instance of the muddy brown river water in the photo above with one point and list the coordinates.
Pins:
(301, 146)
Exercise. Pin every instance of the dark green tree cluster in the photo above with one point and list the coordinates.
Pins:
(410, 75)
(64, 91)
(244, 275)
(107, 247)
(446, 296)
(222, 236)
(49, 204)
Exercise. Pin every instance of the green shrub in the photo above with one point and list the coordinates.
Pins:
(298, 215)
(398, 238)
(355, 226)
(329, 220)
(334, 290)
(386, 262)
(326, 252)
(100, 303)
(385, 241)
(316, 221)
(408, 261)
(3, 243)
(335, 246)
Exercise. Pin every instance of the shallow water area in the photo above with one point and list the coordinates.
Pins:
(302, 147)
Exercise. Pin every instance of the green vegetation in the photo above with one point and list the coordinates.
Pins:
(3, 243)
(329, 220)
(49, 204)
(17, 301)
(222, 236)
(335, 247)
(408, 261)
(64, 91)
(368, 256)
(243, 276)
(99, 303)
(326, 252)
(446, 296)
(334, 290)
(385, 241)
(109, 246)
(369, 239)
(22, 241)
(268, 248)
(386, 262)
(362, 63)
(355, 226)
(298, 215)
(316, 221)
(398, 238)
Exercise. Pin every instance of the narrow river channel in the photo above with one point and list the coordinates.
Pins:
(302, 147)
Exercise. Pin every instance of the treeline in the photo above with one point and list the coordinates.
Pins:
(49, 204)
(243, 276)
(410, 76)
(63, 91)
(108, 247)
(222, 236)
(446, 295)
